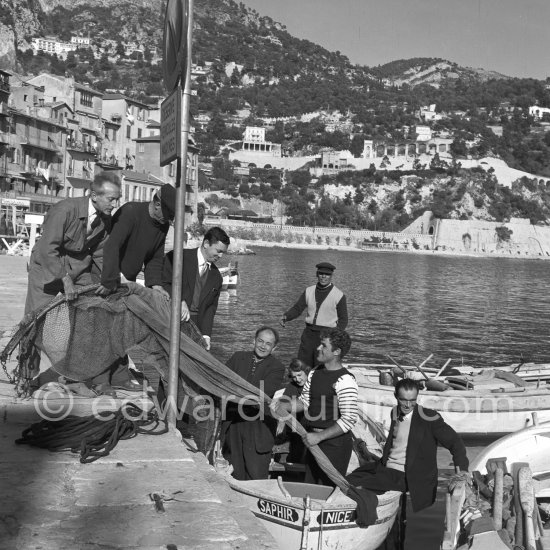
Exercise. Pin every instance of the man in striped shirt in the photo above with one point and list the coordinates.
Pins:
(329, 402)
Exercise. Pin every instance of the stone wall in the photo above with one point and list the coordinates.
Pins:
(327, 236)
(481, 237)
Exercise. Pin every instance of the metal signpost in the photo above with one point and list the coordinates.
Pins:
(178, 38)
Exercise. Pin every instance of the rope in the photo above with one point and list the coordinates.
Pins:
(92, 436)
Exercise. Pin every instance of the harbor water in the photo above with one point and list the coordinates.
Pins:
(477, 311)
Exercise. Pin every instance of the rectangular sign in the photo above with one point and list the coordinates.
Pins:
(170, 128)
(16, 202)
(37, 219)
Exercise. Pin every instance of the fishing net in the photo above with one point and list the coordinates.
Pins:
(82, 338)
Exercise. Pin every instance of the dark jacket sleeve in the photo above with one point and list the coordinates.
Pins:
(342, 312)
(274, 377)
(153, 271)
(206, 318)
(123, 223)
(449, 439)
(297, 308)
(167, 272)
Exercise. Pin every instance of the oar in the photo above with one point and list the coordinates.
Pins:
(397, 364)
(419, 367)
(443, 368)
(525, 482)
(497, 498)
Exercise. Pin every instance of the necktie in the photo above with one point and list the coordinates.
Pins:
(95, 221)
(204, 270)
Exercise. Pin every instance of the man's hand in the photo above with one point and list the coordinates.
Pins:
(185, 315)
(282, 322)
(206, 341)
(458, 478)
(163, 292)
(312, 438)
(103, 292)
(278, 410)
(69, 289)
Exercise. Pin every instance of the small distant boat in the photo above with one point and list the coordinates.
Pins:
(243, 251)
(230, 276)
(308, 517)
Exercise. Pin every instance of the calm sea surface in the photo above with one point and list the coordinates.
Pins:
(483, 312)
(476, 310)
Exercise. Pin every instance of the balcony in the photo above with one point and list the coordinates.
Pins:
(45, 144)
(107, 160)
(5, 86)
(73, 145)
(4, 138)
(3, 109)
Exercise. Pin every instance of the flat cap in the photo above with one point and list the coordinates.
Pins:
(168, 201)
(325, 267)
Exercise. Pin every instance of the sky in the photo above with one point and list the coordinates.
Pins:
(508, 36)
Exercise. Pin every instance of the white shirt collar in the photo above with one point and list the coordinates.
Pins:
(201, 259)
(91, 209)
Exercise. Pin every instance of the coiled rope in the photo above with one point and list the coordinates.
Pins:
(92, 436)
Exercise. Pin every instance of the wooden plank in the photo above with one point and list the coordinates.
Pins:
(450, 537)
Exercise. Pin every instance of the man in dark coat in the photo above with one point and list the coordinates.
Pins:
(201, 280)
(68, 253)
(409, 460)
(73, 232)
(137, 241)
(247, 434)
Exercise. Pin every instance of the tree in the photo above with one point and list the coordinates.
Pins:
(357, 145)
(372, 207)
(359, 196)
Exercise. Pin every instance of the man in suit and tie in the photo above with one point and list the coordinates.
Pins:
(409, 460)
(201, 280)
(73, 232)
(68, 253)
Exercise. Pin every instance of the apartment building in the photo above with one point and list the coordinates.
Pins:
(132, 116)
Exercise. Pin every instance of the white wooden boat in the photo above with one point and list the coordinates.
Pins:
(230, 275)
(531, 445)
(530, 372)
(472, 413)
(301, 516)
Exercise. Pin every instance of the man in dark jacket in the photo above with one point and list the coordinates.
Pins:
(68, 253)
(137, 241)
(409, 460)
(247, 434)
(201, 280)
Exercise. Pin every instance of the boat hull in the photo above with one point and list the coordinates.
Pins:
(472, 413)
(332, 523)
(531, 445)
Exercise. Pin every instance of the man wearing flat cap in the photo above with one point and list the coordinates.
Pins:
(326, 308)
(137, 241)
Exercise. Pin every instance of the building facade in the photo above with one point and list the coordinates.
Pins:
(132, 116)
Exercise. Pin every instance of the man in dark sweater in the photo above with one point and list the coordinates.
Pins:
(137, 242)
(247, 435)
(326, 308)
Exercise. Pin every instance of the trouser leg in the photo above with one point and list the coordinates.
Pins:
(338, 450)
(309, 343)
